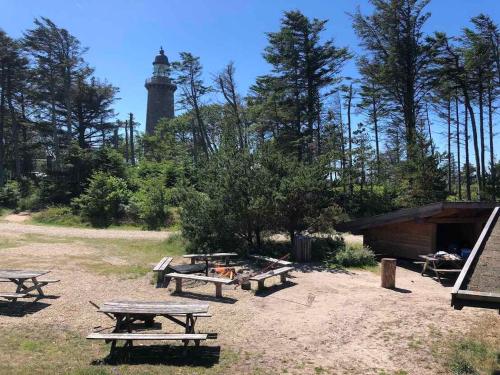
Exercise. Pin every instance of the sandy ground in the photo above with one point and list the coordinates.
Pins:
(341, 322)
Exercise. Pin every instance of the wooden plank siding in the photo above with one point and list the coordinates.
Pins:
(402, 240)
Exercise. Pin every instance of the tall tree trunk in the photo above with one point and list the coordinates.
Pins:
(132, 147)
(467, 158)
(349, 130)
(2, 122)
(126, 142)
(481, 129)
(476, 146)
(492, 150)
(375, 127)
(433, 150)
(343, 160)
(448, 115)
(459, 176)
(14, 130)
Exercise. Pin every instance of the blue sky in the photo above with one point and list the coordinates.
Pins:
(124, 36)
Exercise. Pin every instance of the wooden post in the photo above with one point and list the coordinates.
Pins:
(178, 285)
(218, 290)
(388, 273)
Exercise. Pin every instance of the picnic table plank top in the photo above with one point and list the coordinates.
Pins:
(271, 273)
(428, 257)
(272, 260)
(20, 274)
(210, 255)
(153, 308)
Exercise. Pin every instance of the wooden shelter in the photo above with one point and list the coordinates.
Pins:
(411, 232)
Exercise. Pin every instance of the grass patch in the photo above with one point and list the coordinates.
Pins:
(59, 216)
(476, 352)
(472, 356)
(49, 350)
(134, 257)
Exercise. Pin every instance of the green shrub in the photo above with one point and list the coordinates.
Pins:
(150, 205)
(30, 203)
(58, 215)
(324, 248)
(104, 199)
(355, 256)
(10, 194)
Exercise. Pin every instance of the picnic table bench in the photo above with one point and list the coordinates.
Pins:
(216, 280)
(161, 269)
(207, 257)
(126, 313)
(273, 261)
(282, 272)
(26, 281)
(433, 264)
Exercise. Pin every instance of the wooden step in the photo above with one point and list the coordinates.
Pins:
(147, 336)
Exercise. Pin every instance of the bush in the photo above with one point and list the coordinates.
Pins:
(355, 256)
(206, 226)
(104, 200)
(30, 203)
(10, 194)
(150, 205)
(325, 248)
(58, 215)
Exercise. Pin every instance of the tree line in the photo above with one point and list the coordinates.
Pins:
(305, 147)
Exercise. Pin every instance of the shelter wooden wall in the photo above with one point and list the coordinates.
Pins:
(402, 240)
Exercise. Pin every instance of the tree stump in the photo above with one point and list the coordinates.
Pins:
(388, 273)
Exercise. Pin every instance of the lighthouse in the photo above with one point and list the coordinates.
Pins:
(160, 93)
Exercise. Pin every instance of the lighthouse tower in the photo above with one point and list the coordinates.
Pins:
(160, 93)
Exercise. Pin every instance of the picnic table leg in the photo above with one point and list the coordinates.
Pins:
(260, 284)
(206, 267)
(218, 290)
(435, 271)
(38, 286)
(193, 260)
(178, 285)
(283, 278)
(424, 267)
(227, 261)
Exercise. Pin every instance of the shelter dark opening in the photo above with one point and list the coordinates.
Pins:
(452, 237)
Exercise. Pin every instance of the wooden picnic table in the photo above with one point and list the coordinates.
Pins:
(434, 264)
(20, 278)
(207, 257)
(127, 312)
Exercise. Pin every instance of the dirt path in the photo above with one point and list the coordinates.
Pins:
(11, 227)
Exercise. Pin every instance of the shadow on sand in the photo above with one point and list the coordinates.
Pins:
(202, 356)
(274, 288)
(21, 308)
(320, 267)
(205, 297)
